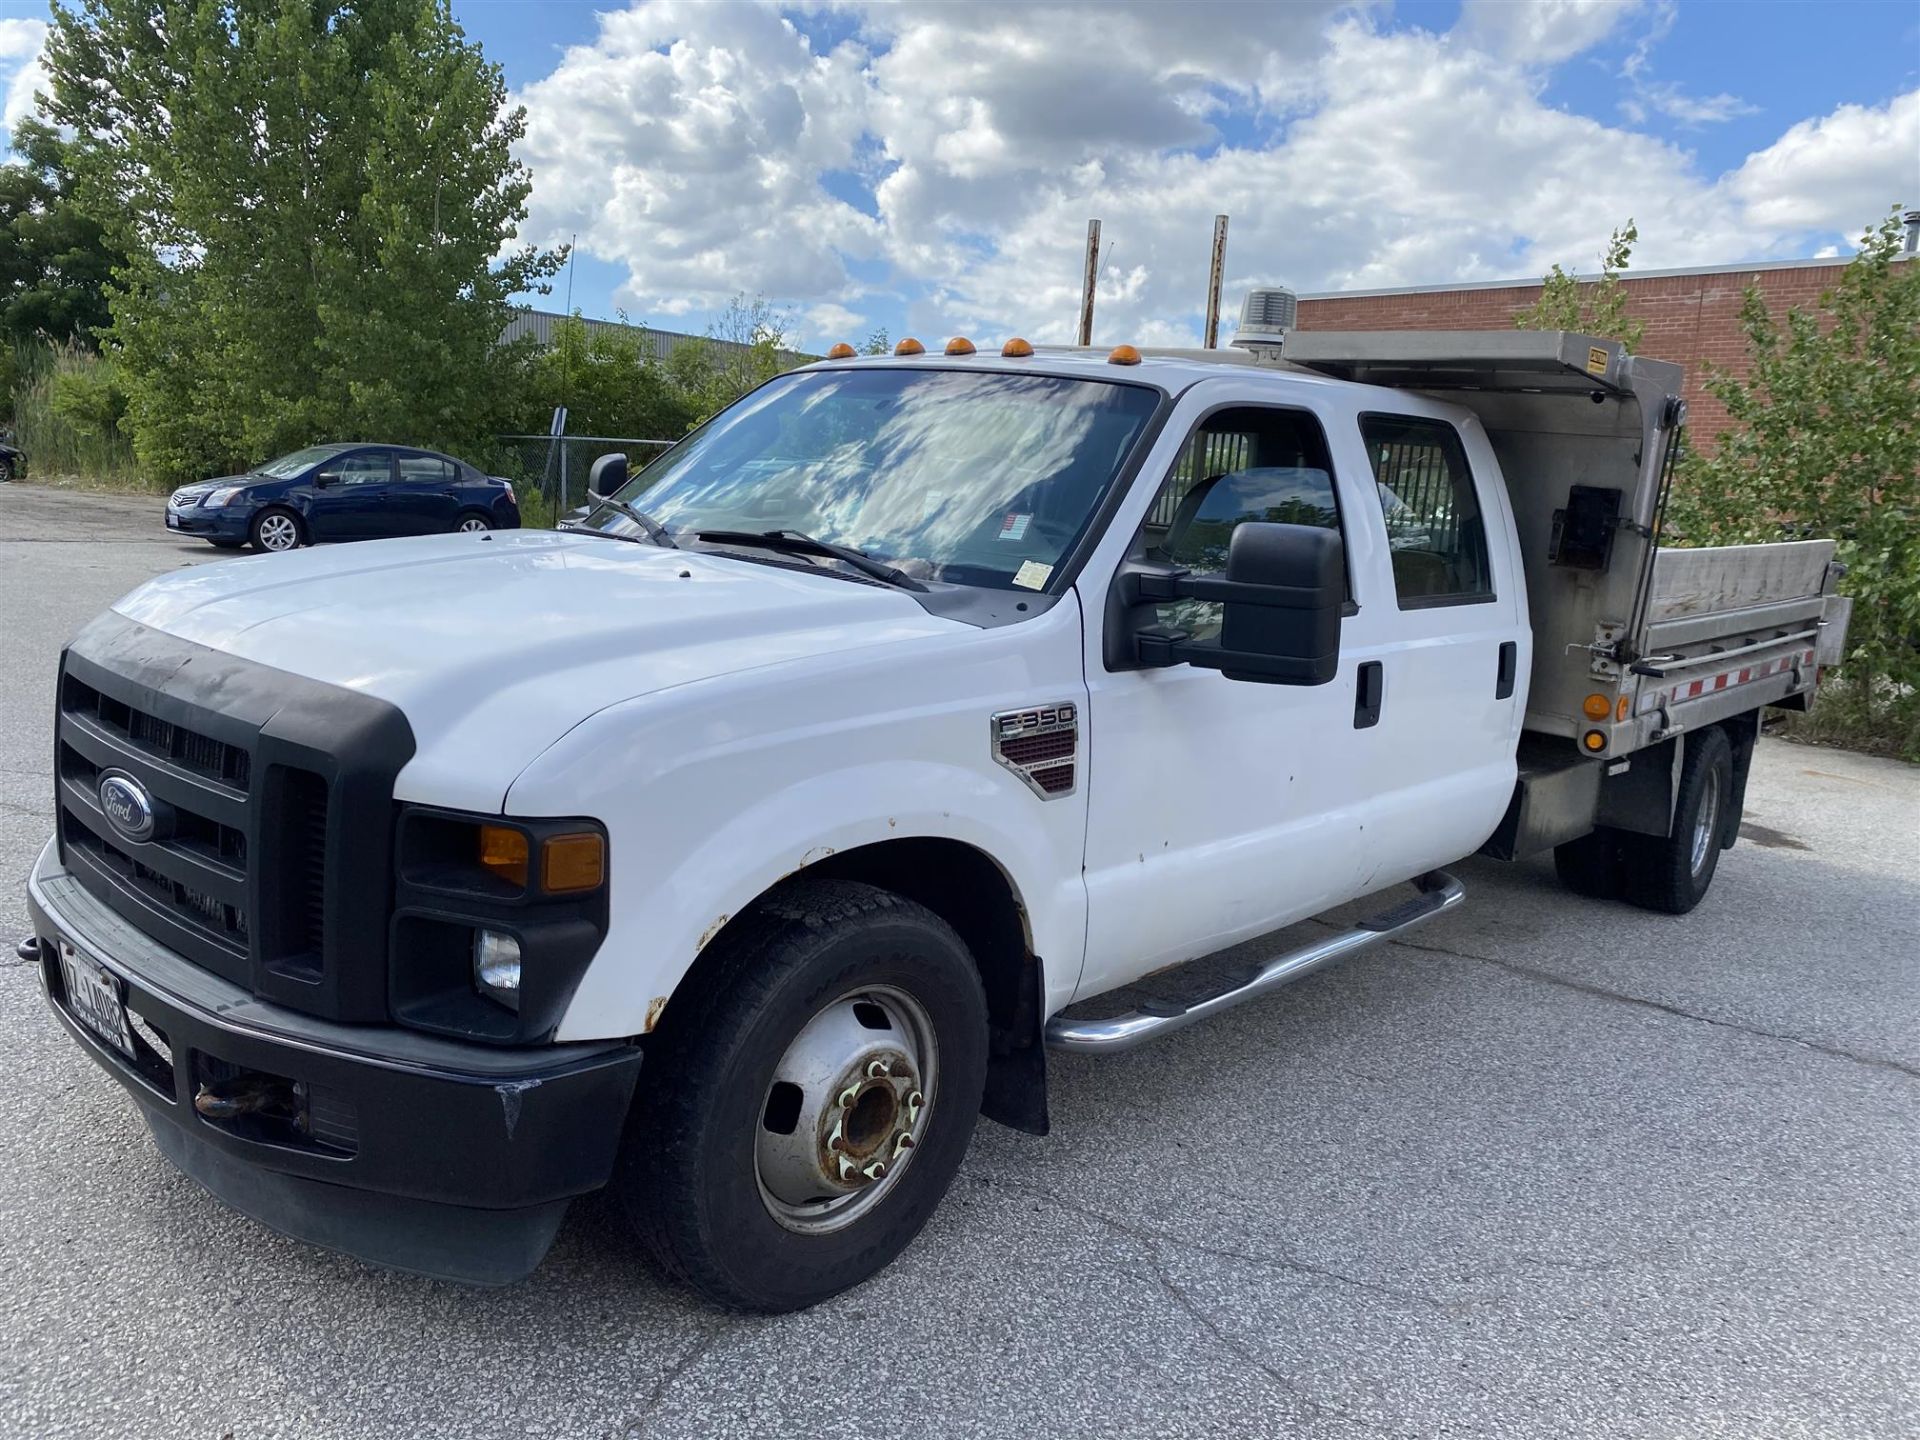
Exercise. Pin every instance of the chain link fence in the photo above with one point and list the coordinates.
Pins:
(549, 472)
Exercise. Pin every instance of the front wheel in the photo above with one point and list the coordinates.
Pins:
(813, 1090)
(6, 468)
(274, 531)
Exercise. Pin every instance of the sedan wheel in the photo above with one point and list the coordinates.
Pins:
(276, 531)
(472, 524)
(6, 469)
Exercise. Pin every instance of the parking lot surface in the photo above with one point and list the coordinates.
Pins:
(1553, 1168)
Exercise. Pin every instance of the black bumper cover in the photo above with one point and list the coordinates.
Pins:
(462, 1157)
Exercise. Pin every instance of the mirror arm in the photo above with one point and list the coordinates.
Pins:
(1161, 646)
(1152, 585)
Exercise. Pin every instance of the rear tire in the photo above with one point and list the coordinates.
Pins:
(1672, 873)
(471, 522)
(820, 970)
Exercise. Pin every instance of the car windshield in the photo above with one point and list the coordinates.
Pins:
(975, 478)
(287, 466)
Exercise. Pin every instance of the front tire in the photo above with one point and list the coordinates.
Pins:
(813, 1091)
(1671, 873)
(275, 531)
(6, 469)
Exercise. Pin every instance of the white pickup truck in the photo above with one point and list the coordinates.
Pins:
(740, 845)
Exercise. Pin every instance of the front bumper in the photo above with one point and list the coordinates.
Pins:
(225, 523)
(410, 1151)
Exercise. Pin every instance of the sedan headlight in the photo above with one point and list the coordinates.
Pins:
(224, 496)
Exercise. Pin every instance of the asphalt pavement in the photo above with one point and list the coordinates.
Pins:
(1553, 1168)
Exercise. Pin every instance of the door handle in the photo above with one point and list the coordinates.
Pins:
(1368, 695)
(1504, 677)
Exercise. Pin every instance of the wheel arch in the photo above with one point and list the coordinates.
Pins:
(968, 889)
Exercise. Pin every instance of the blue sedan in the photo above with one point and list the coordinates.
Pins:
(343, 492)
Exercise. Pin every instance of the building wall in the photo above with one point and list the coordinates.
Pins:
(1692, 319)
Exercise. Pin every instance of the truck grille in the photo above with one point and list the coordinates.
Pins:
(196, 884)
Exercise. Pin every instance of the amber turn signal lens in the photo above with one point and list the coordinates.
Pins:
(1594, 740)
(1620, 710)
(1123, 355)
(572, 862)
(842, 351)
(503, 852)
(1016, 349)
(909, 346)
(960, 345)
(1597, 707)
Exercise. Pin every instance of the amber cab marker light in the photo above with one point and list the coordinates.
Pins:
(909, 346)
(1123, 355)
(1620, 710)
(1594, 740)
(569, 863)
(960, 345)
(1016, 349)
(1596, 707)
(503, 852)
(842, 351)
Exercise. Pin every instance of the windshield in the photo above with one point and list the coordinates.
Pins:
(288, 466)
(976, 478)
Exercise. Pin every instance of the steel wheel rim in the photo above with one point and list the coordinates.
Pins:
(472, 524)
(1703, 829)
(277, 532)
(866, 1096)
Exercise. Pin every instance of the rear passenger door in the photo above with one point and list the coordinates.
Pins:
(1455, 650)
(424, 501)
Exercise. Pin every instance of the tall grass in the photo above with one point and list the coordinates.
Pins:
(67, 412)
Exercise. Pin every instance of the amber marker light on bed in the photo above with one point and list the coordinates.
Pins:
(1596, 707)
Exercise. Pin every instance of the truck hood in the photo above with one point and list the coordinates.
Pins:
(495, 645)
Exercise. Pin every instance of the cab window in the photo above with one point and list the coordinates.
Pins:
(419, 468)
(1244, 463)
(1436, 534)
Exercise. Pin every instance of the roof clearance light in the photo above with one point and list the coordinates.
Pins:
(1123, 355)
(909, 346)
(960, 345)
(1016, 349)
(842, 351)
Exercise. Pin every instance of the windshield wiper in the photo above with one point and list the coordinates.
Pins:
(794, 542)
(656, 532)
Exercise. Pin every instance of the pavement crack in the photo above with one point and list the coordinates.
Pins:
(691, 1356)
(1601, 992)
(1152, 1238)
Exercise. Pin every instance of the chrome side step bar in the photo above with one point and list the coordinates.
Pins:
(1439, 892)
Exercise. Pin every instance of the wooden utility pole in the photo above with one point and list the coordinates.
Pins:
(1087, 284)
(1214, 273)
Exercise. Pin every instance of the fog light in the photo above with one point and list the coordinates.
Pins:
(496, 966)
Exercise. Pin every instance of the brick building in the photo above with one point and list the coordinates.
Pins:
(1692, 317)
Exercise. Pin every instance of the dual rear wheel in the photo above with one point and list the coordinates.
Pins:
(1671, 872)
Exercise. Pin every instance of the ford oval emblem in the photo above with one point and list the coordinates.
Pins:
(128, 806)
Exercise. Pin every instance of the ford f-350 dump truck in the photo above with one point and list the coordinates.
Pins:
(739, 845)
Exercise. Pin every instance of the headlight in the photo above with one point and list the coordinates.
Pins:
(224, 496)
(496, 966)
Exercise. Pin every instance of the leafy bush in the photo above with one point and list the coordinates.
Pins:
(68, 411)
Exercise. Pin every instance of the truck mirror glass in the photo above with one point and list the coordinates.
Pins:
(608, 474)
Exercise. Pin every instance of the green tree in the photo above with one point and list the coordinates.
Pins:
(608, 385)
(746, 346)
(55, 260)
(317, 198)
(1825, 441)
(1589, 307)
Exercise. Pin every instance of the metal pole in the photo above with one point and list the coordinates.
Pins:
(1087, 284)
(1214, 272)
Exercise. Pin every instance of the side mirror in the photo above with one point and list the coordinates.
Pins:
(326, 478)
(608, 474)
(1280, 607)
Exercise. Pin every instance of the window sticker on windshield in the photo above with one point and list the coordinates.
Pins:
(1032, 575)
(1014, 527)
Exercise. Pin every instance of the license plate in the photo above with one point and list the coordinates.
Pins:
(94, 996)
(173, 521)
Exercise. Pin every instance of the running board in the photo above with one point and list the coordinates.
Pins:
(1439, 892)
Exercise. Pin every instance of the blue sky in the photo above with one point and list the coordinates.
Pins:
(930, 168)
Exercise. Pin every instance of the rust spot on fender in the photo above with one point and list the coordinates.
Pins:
(654, 1007)
(706, 935)
(815, 855)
